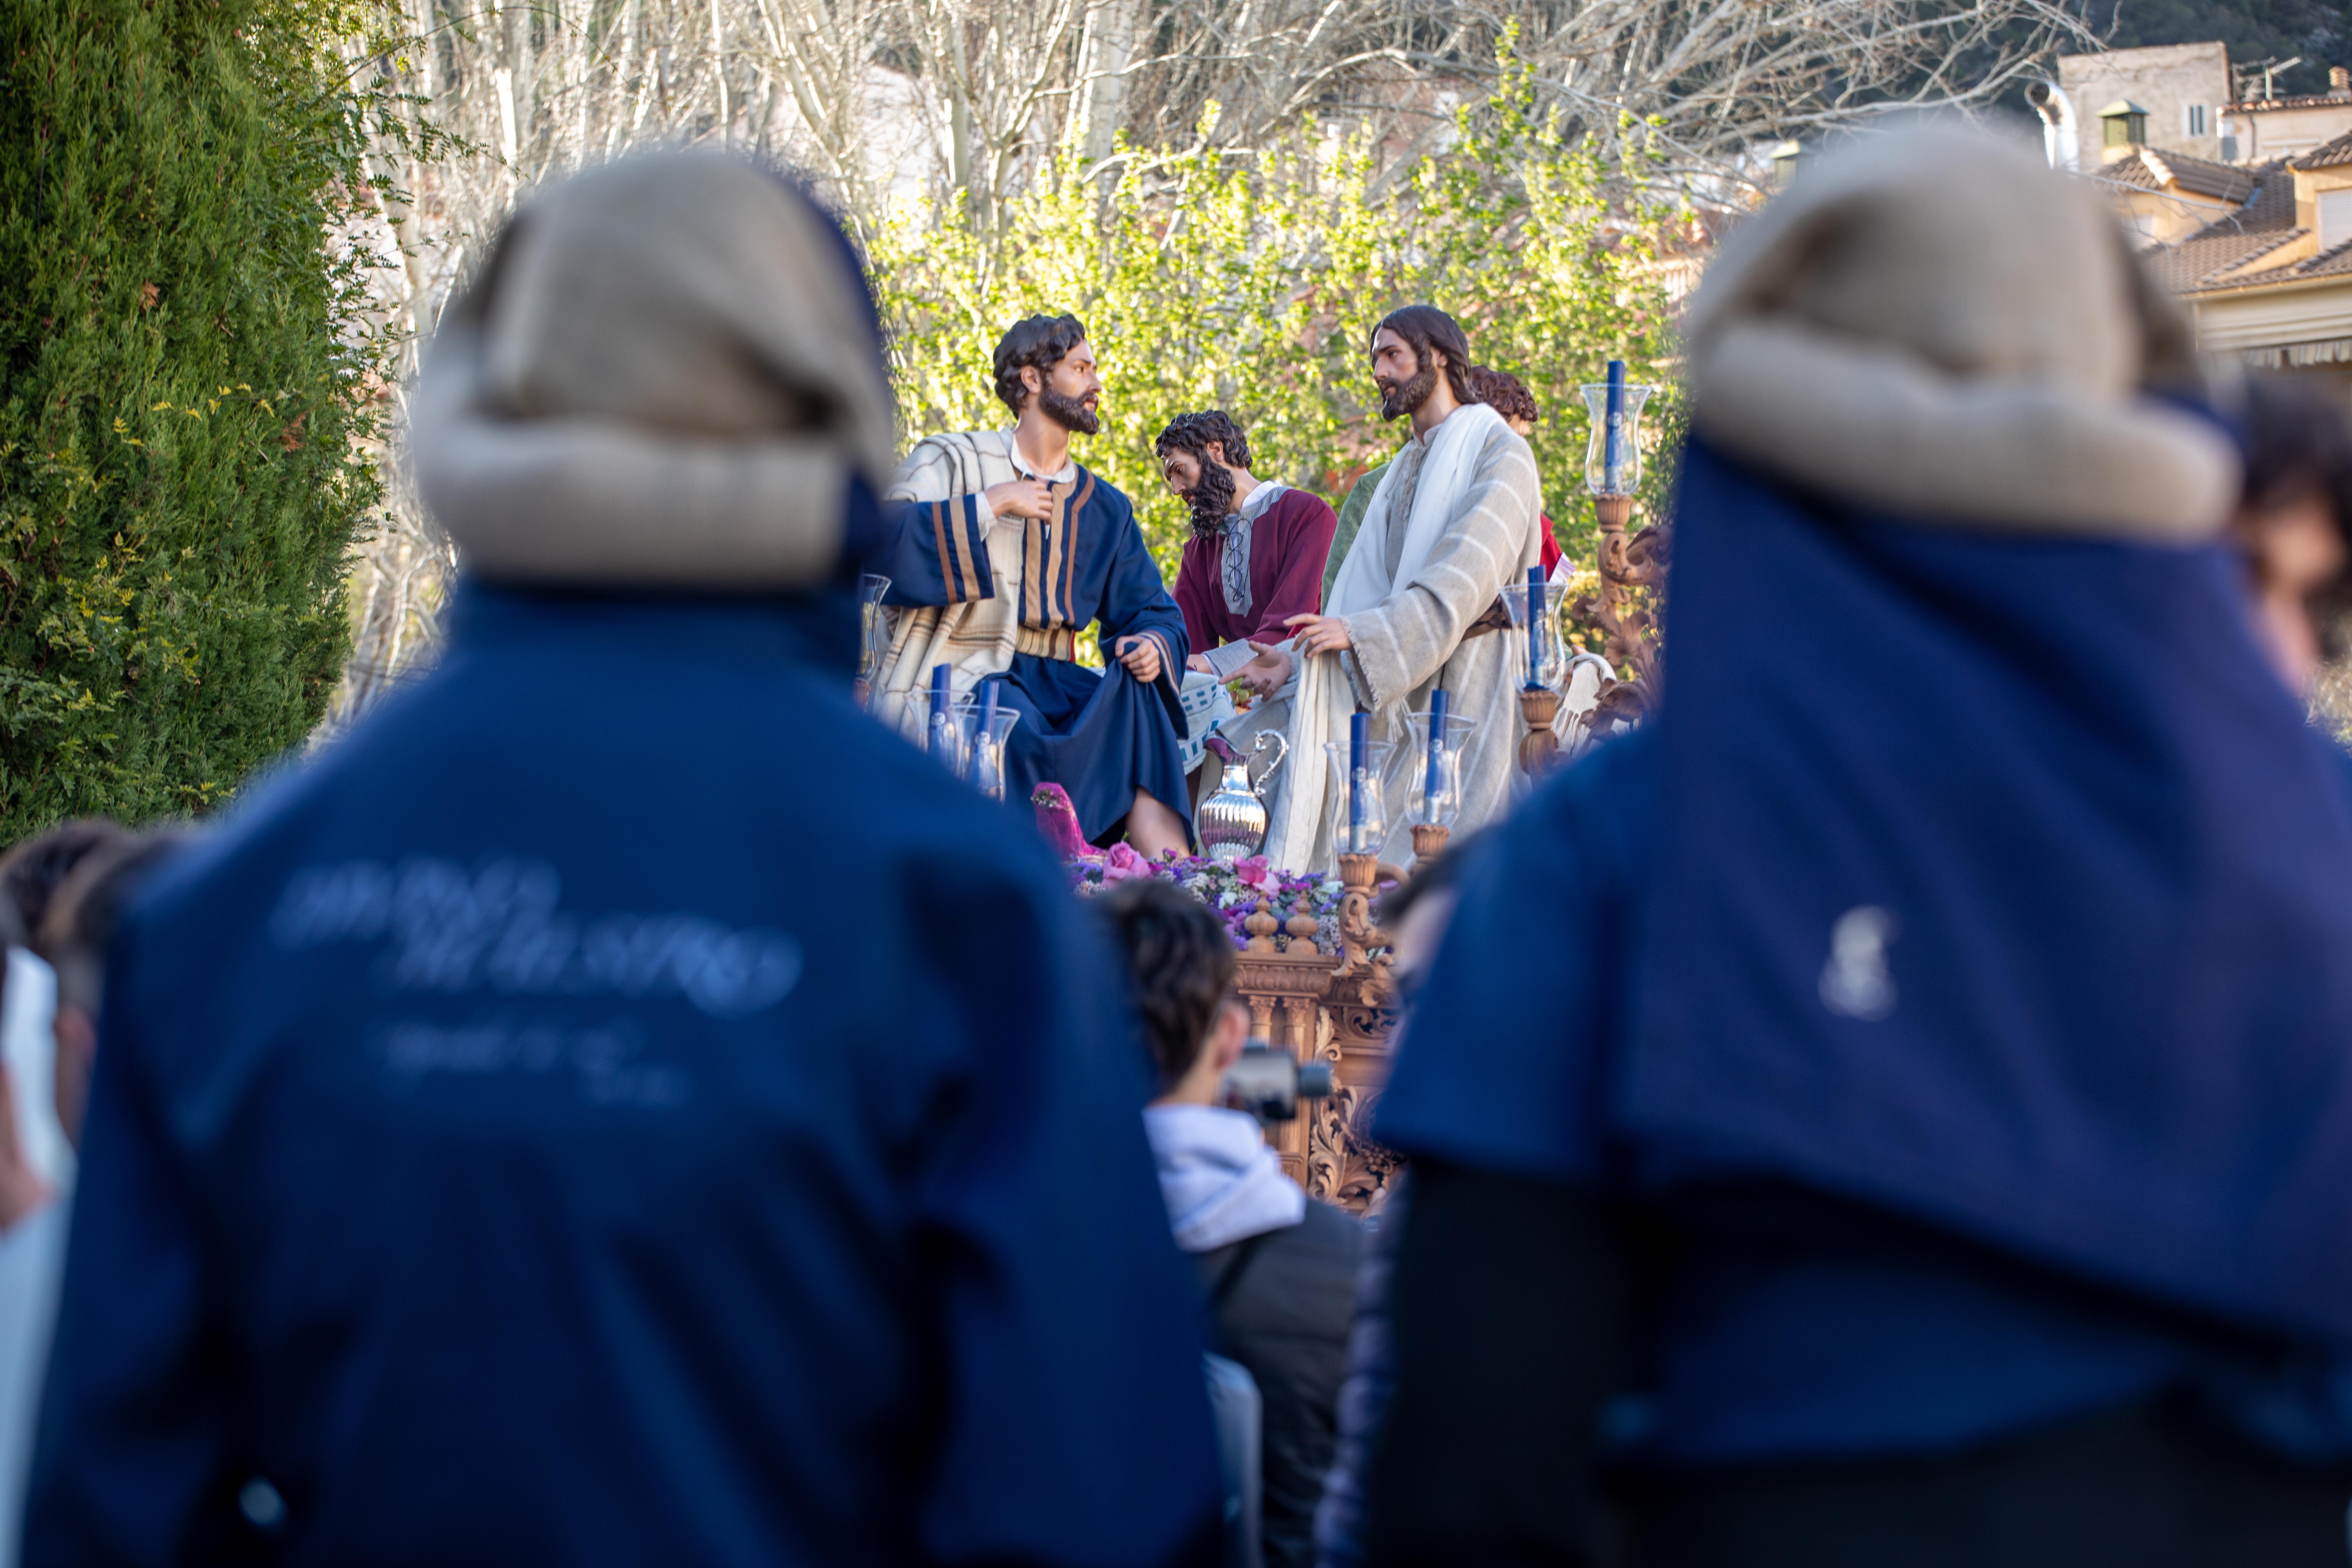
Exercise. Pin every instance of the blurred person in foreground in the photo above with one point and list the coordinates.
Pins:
(621, 1105)
(1929, 1141)
(1279, 1267)
(103, 865)
(1415, 917)
(2293, 522)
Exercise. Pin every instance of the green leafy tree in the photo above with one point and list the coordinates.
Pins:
(186, 359)
(1251, 282)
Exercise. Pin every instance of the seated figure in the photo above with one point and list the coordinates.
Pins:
(999, 550)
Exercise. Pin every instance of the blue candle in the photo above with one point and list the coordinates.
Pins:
(988, 712)
(1359, 736)
(1436, 744)
(1613, 440)
(1535, 625)
(940, 696)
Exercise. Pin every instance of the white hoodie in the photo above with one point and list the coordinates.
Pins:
(1219, 1180)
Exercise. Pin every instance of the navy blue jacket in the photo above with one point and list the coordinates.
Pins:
(622, 1106)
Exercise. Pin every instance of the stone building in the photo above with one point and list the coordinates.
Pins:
(2181, 88)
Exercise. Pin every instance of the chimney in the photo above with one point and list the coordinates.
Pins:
(2339, 82)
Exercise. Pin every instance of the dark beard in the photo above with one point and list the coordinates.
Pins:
(1407, 396)
(1211, 499)
(1067, 411)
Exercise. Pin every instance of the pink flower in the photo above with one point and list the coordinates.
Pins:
(1122, 862)
(1253, 870)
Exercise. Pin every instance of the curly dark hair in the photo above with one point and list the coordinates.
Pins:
(1193, 431)
(1182, 964)
(1504, 392)
(1039, 341)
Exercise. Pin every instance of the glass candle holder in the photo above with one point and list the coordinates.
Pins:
(982, 730)
(871, 586)
(1363, 824)
(1435, 795)
(1613, 454)
(1549, 661)
(943, 736)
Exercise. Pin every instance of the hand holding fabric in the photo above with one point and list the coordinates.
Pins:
(1141, 657)
(1320, 633)
(1020, 497)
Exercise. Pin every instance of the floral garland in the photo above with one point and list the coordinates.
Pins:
(1231, 889)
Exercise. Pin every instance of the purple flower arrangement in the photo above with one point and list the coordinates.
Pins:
(1232, 889)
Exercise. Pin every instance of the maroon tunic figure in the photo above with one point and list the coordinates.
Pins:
(1286, 534)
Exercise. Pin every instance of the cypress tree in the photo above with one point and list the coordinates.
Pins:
(186, 362)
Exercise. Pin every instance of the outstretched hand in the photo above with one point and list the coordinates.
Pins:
(1142, 656)
(1267, 673)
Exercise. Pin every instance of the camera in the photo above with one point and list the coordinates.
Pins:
(1269, 1084)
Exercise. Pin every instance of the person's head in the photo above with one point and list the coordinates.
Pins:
(1416, 913)
(1507, 396)
(1199, 456)
(666, 376)
(73, 937)
(1412, 346)
(1182, 964)
(2293, 522)
(1932, 323)
(1045, 359)
(34, 867)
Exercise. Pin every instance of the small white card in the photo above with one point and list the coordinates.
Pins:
(1226, 659)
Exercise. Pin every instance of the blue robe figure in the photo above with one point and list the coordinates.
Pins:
(1100, 736)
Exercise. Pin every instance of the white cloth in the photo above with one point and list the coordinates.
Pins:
(1473, 530)
(28, 1045)
(1219, 1180)
(1207, 704)
(977, 638)
(1450, 454)
(32, 1271)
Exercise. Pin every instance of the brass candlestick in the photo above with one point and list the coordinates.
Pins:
(1429, 841)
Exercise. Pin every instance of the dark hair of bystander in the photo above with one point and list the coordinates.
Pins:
(34, 869)
(1182, 963)
(2297, 442)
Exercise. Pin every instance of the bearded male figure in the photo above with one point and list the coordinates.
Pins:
(1454, 523)
(999, 549)
(1255, 559)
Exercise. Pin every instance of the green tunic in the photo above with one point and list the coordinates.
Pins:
(1351, 517)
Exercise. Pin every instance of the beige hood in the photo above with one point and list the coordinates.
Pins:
(1931, 321)
(663, 376)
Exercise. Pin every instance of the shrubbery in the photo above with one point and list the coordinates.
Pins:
(184, 363)
(1250, 283)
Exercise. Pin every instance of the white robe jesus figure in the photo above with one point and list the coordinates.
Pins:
(1456, 521)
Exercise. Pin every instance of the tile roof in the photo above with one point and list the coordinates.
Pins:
(2194, 262)
(2300, 101)
(2327, 156)
(2153, 169)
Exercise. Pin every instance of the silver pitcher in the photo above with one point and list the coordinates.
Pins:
(1232, 822)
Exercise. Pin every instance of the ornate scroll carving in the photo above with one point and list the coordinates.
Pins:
(1625, 611)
